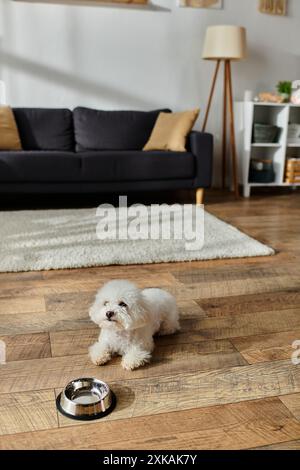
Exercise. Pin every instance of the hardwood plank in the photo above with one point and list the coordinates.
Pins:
(290, 445)
(41, 374)
(73, 284)
(147, 275)
(41, 287)
(263, 348)
(56, 372)
(35, 323)
(30, 304)
(27, 411)
(22, 347)
(231, 426)
(252, 324)
(239, 272)
(70, 302)
(72, 343)
(225, 288)
(292, 402)
(15, 277)
(241, 304)
(286, 255)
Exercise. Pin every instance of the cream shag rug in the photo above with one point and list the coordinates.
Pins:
(59, 239)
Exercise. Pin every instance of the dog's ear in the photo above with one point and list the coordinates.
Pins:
(96, 305)
(93, 308)
(140, 311)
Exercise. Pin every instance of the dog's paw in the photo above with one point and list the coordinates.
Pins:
(135, 358)
(131, 365)
(98, 355)
(169, 328)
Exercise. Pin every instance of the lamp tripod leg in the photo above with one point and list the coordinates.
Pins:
(224, 143)
(232, 133)
(211, 94)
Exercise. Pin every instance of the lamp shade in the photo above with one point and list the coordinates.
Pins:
(225, 42)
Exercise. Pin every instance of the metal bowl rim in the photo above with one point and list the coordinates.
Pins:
(87, 379)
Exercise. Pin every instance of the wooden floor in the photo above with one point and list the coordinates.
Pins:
(225, 382)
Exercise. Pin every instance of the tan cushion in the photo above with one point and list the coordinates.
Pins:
(9, 134)
(170, 131)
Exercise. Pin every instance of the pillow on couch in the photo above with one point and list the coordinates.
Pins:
(45, 128)
(9, 134)
(112, 130)
(171, 130)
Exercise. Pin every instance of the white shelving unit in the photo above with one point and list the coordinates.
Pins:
(248, 113)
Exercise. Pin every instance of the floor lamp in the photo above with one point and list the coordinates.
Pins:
(225, 44)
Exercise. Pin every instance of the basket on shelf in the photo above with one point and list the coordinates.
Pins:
(265, 133)
(293, 133)
(261, 171)
(292, 173)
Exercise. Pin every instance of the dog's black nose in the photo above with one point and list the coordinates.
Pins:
(109, 315)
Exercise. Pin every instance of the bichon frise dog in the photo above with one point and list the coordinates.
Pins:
(129, 318)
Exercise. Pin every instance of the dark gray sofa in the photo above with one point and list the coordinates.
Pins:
(99, 151)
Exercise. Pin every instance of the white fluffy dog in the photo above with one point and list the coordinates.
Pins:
(129, 317)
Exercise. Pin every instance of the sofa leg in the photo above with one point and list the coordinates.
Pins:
(199, 196)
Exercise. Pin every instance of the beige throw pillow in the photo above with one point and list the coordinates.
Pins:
(170, 131)
(9, 134)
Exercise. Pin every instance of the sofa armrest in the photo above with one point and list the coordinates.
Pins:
(200, 144)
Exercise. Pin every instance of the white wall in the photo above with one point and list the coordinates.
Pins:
(63, 55)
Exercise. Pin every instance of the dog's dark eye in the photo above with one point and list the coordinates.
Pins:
(105, 303)
(122, 304)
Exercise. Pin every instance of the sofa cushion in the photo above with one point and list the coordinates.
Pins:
(45, 129)
(52, 166)
(112, 130)
(136, 166)
(9, 134)
(171, 130)
(39, 166)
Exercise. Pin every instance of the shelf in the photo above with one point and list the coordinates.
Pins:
(266, 145)
(101, 3)
(295, 146)
(258, 103)
(281, 105)
(274, 184)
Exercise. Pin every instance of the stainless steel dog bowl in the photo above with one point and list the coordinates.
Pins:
(86, 399)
